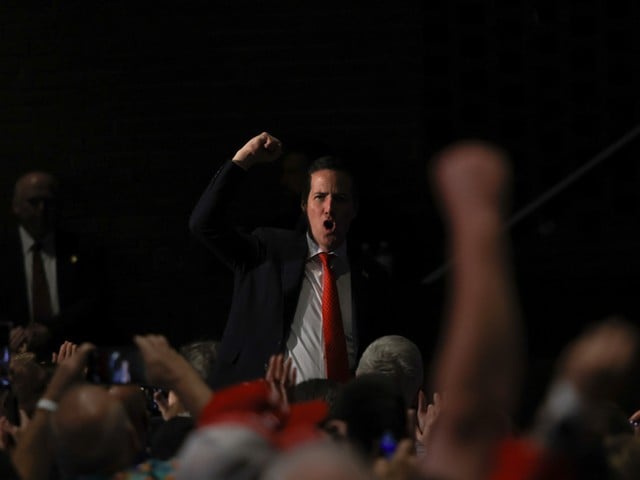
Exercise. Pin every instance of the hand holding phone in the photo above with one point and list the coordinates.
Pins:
(120, 365)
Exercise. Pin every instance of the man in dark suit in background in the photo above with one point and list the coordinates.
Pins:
(278, 274)
(51, 283)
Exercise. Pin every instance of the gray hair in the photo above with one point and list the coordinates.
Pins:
(223, 452)
(202, 355)
(320, 459)
(397, 357)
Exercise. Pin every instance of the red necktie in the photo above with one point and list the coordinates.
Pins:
(335, 346)
(39, 287)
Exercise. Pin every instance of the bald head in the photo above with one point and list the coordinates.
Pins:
(92, 432)
(34, 201)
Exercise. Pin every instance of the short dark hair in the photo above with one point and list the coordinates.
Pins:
(330, 162)
(316, 389)
(371, 405)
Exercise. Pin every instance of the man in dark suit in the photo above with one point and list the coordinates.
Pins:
(60, 299)
(278, 276)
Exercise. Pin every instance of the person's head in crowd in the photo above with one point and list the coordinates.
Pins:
(202, 355)
(623, 456)
(34, 203)
(224, 452)
(28, 380)
(367, 410)
(92, 432)
(135, 403)
(330, 201)
(176, 422)
(318, 461)
(315, 389)
(592, 391)
(603, 363)
(398, 358)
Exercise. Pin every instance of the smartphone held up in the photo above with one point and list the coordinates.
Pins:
(121, 365)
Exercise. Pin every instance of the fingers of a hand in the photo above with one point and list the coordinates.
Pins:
(286, 370)
(67, 349)
(422, 401)
(161, 400)
(151, 341)
(423, 413)
(279, 367)
(294, 375)
(270, 375)
(24, 418)
(62, 351)
(432, 412)
(83, 351)
(271, 143)
(151, 346)
(405, 449)
(381, 468)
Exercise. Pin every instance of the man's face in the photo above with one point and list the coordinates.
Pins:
(330, 208)
(34, 203)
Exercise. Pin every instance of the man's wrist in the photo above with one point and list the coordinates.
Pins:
(242, 162)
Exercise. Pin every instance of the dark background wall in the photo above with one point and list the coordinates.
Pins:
(135, 104)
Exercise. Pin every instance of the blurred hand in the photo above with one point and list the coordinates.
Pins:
(281, 375)
(10, 433)
(162, 362)
(65, 351)
(427, 416)
(68, 371)
(168, 403)
(401, 466)
(599, 361)
(470, 178)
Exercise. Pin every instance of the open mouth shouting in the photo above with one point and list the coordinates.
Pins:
(329, 225)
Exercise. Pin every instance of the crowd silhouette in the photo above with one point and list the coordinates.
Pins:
(260, 402)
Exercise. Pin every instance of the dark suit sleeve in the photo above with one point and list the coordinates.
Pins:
(213, 223)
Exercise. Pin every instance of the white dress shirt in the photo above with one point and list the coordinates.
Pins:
(305, 345)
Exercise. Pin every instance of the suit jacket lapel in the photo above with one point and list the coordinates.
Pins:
(292, 272)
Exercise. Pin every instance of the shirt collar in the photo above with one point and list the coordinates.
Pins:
(27, 240)
(313, 249)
